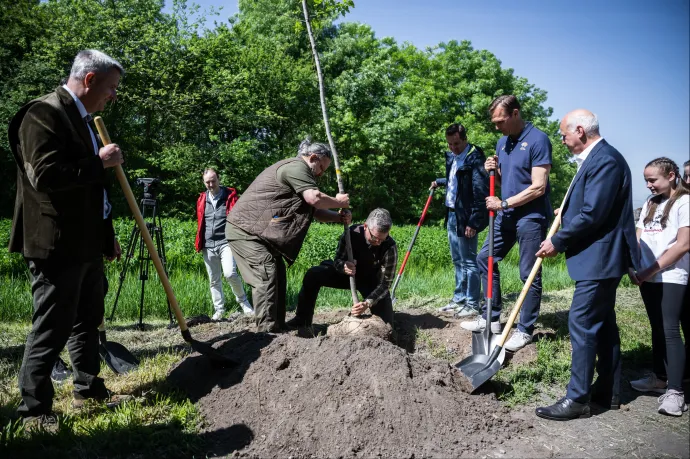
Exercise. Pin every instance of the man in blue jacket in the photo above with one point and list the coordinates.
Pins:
(598, 238)
(467, 186)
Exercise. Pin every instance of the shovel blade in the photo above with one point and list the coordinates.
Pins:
(478, 369)
(479, 345)
(117, 357)
(209, 351)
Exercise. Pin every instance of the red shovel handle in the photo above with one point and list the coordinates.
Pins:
(492, 215)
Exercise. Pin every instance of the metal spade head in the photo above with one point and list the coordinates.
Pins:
(209, 351)
(478, 369)
(118, 358)
(479, 345)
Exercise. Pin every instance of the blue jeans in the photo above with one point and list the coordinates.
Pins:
(463, 252)
(528, 233)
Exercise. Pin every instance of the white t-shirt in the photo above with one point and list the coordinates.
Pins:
(656, 240)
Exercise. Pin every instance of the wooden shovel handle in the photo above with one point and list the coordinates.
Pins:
(535, 269)
(153, 253)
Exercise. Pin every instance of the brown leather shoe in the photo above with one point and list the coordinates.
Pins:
(47, 422)
(113, 401)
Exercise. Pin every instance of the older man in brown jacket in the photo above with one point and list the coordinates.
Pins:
(270, 221)
(62, 227)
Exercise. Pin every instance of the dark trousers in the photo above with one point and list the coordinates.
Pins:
(528, 233)
(666, 307)
(594, 334)
(263, 268)
(325, 275)
(68, 308)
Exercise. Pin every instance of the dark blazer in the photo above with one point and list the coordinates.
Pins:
(59, 207)
(598, 230)
(473, 188)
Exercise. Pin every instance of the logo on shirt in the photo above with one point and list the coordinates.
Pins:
(523, 145)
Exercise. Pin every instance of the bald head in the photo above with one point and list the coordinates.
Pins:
(579, 129)
(585, 119)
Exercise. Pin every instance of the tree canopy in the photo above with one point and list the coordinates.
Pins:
(244, 94)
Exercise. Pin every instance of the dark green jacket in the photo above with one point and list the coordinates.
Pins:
(274, 212)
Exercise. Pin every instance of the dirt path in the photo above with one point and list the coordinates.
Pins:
(363, 397)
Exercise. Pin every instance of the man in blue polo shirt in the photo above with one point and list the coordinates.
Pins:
(522, 171)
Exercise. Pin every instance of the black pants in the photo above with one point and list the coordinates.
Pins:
(325, 275)
(666, 307)
(68, 308)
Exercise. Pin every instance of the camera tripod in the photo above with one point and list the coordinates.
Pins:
(149, 207)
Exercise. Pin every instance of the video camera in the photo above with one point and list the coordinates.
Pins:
(149, 185)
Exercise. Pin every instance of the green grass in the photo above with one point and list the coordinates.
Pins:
(164, 423)
(193, 295)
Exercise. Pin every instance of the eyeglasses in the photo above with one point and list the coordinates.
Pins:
(374, 239)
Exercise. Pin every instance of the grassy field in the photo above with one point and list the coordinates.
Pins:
(162, 422)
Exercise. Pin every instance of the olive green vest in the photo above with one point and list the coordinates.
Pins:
(274, 212)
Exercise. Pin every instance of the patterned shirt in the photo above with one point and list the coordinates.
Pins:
(387, 271)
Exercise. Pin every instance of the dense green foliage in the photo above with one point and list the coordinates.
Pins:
(243, 95)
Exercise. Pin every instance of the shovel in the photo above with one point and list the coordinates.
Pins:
(478, 369)
(482, 342)
(200, 347)
(409, 248)
(115, 355)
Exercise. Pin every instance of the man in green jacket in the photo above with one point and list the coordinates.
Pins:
(270, 221)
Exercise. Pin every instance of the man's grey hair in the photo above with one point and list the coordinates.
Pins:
(380, 219)
(210, 169)
(590, 123)
(92, 60)
(308, 148)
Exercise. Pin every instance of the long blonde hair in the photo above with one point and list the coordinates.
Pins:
(679, 188)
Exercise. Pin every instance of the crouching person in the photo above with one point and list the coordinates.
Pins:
(375, 257)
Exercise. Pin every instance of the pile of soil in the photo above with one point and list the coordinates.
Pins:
(339, 396)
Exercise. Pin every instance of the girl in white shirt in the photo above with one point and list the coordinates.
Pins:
(663, 232)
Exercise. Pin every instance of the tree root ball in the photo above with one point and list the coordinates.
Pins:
(361, 326)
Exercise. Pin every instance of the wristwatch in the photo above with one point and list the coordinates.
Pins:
(504, 205)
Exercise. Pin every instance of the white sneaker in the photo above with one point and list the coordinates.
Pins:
(672, 403)
(450, 307)
(247, 308)
(465, 311)
(649, 383)
(517, 341)
(479, 324)
(218, 314)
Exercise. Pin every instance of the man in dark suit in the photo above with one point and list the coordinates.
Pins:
(62, 227)
(598, 239)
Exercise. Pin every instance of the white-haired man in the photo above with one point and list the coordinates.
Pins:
(62, 227)
(598, 238)
(376, 256)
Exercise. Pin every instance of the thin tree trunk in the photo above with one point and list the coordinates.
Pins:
(327, 125)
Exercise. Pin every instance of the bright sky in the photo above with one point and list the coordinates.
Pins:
(628, 61)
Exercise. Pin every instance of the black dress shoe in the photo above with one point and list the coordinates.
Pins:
(296, 323)
(612, 403)
(564, 410)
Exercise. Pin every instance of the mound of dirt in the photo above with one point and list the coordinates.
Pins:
(339, 397)
(370, 326)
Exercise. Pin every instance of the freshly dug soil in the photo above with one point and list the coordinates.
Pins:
(339, 396)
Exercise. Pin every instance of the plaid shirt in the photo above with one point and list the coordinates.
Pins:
(388, 264)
